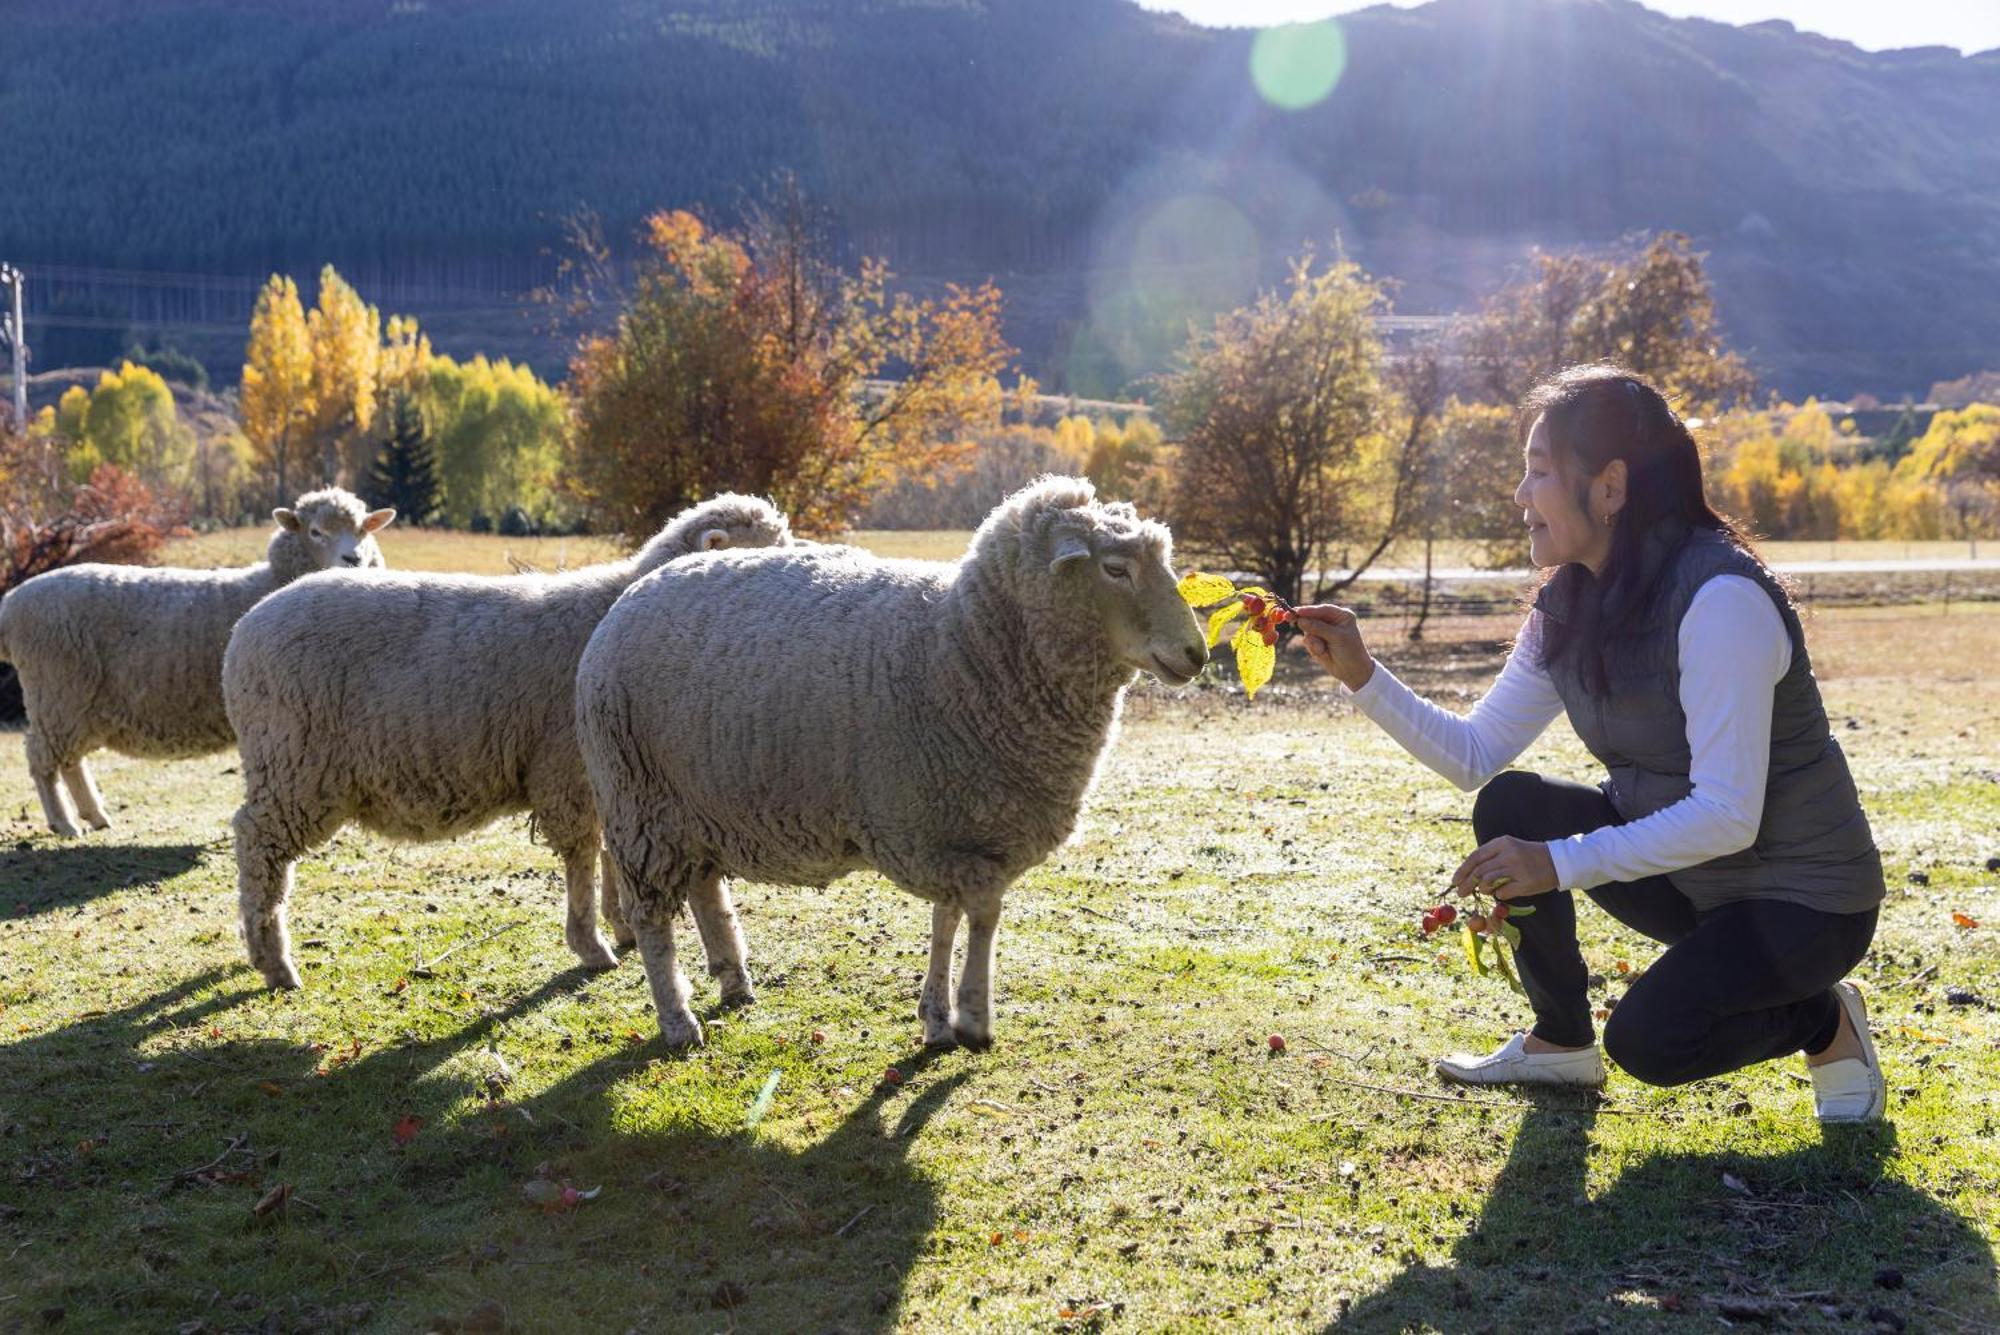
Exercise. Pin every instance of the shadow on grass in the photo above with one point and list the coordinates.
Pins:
(1788, 1241)
(103, 1119)
(42, 877)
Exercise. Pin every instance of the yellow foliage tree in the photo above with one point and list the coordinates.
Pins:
(346, 337)
(275, 403)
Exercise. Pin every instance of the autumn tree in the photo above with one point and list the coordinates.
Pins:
(750, 360)
(498, 430)
(345, 334)
(275, 401)
(1296, 435)
(1648, 308)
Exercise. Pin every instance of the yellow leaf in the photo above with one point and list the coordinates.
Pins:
(1221, 619)
(1203, 590)
(1254, 658)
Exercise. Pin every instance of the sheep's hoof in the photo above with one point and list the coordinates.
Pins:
(737, 998)
(941, 1042)
(65, 829)
(971, 1041)
(680, 1031)
(597, 956)
(283, 978)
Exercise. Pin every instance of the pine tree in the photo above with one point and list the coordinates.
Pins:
(405, 472)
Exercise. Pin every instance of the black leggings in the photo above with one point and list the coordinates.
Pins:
(1737, 985)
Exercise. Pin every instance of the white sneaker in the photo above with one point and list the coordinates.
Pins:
(1851, 1089)
(1513, 1064)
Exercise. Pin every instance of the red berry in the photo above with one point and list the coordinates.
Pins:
(1253, 606)
(892, 1076)
(1431, 922)
(1500, 912)
(1268, 631)
(1477, 922)
(819, 1036)
(1445, 914)
(1277, 1042)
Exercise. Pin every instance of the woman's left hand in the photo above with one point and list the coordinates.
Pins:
(1525, 866)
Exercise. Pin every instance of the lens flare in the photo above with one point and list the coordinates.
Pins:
(1180, 262)
(1298, 64)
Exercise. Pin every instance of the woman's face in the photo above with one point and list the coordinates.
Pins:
(1559, 529)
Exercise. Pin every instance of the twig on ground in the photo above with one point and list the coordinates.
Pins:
(423, 970)
(1513, 1105)
(238, 1145)
(841, 1232)
(1398, 959)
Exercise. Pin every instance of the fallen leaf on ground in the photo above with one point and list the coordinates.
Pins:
(406, 1128)
(1964, 920)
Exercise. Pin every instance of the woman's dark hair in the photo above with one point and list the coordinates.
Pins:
(1592, 415)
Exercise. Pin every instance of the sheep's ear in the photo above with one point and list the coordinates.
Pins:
(377, 520)
(714, 540)
(287, 519)
(1070, 546)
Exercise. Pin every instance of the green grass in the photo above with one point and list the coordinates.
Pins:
(1243, 870)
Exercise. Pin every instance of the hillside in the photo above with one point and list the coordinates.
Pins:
(1113, 168)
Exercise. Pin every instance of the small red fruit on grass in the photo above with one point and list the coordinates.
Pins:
(819, 1036)
(1277, 1044)
(892, 1076)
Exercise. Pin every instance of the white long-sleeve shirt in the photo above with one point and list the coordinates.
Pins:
(1733, 651)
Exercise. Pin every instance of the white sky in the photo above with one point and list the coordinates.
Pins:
(1969, 25)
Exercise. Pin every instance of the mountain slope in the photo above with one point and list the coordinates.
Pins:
(1114, 168)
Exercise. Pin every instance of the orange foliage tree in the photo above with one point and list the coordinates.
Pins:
(748, 361)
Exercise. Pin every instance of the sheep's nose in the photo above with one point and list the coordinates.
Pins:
(351, 558)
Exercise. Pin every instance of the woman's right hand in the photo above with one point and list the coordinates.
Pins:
(1333, 640)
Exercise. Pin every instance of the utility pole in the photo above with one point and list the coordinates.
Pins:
(16, 332)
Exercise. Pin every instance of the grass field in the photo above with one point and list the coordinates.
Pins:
(1130, 1156)
(489, 554)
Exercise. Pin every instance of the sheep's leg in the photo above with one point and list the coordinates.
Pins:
(650, 909)
(974, 1025)
(580, 926)
(263, 884)
(721, 938)
(934, 1002)
(614, 912)
(83, 789)
(43, 768)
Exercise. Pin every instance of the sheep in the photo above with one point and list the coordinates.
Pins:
(130, 657)
(790, 716)
(424, 706)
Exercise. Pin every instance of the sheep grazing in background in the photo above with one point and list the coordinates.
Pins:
(790, 716)
(130, 657)
(426, 706)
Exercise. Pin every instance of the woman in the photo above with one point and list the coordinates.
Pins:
(1728, 829)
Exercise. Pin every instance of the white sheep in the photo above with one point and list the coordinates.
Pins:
(424, 706)
(790, 716)
(130, 657)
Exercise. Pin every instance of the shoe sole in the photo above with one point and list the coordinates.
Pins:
(1855, 1004)
(1474, 1082)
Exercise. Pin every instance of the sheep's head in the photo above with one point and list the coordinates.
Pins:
(724, 521)
(329, 530)
(1102, 560)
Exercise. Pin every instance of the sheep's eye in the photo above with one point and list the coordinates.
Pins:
(1118, 571)
(318, 536)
